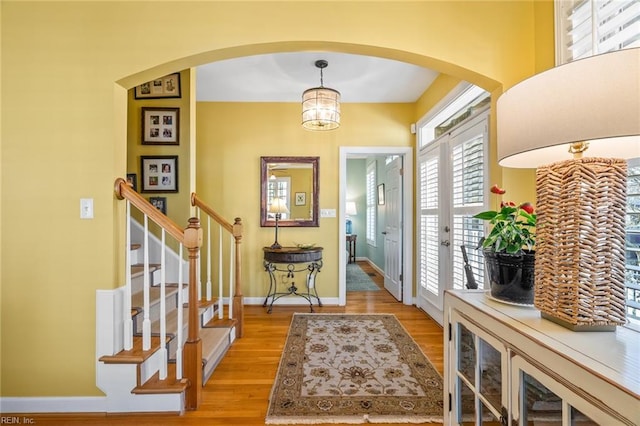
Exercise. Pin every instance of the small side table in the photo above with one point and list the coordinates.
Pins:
(287, 261)
(351, 246)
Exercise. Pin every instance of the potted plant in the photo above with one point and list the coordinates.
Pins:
(509, 250)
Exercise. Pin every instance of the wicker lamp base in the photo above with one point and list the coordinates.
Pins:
(580, 243)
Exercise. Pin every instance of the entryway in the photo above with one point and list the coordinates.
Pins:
(394, 235)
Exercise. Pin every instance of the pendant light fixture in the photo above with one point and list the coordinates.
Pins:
(321, 105)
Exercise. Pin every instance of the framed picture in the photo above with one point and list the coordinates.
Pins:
(165, 87)
(159, 173)
(132, 179)
(301, 198)
(159, 203)
(381, 194)
(160, 126)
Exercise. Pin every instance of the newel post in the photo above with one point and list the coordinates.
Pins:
(238, 304)
(192, 352)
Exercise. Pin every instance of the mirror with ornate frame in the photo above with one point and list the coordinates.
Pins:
(294, 180)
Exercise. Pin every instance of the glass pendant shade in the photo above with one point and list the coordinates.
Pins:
(321, 105)
(321, 109)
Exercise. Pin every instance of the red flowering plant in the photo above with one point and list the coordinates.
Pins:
(512, 230)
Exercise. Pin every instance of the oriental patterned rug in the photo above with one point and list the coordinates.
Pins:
(341, 368)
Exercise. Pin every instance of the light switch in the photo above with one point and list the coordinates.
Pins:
(327, 212)
(86, 208)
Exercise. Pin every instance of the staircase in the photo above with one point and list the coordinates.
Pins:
(149, 358)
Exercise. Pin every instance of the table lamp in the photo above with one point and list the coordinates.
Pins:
(350, 211)
(588, 109)
(277, 206)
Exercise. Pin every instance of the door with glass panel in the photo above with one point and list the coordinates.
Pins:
(451, 189)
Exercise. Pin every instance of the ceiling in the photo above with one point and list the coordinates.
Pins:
(282, 77)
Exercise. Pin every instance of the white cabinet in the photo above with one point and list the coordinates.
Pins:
(506, 365)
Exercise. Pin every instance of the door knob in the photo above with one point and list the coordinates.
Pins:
(445, 243)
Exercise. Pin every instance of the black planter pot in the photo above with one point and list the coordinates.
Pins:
(511, 276)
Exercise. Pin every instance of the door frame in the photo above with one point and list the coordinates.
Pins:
(407, 216)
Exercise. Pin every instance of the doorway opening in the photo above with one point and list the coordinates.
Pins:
(398, 234)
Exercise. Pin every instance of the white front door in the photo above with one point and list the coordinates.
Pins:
(451, 189)
(433, 216)
(393, 229)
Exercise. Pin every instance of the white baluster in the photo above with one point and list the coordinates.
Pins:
(146, 323)
(180, 319)
(128, 321)
(163, 311)
(208, 258)
(220, 277)
(232, 274)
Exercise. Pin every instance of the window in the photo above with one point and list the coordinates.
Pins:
(590, 27)
(372, 198)
(632, 276)
(468, 199)
(468, 100)
(278, 187)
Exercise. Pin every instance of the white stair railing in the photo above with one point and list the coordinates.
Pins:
(188, 347)
(230, 261)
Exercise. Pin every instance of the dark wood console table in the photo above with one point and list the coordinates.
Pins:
(351, 247)
(284, 263)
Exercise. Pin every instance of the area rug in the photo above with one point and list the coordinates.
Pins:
(342, 368)
(358, 280)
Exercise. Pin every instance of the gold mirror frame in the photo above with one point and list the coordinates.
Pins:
(268, 164)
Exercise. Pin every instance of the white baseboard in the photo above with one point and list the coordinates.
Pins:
(75, 404)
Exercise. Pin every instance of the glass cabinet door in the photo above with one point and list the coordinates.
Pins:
(479, 381)
(543, 400)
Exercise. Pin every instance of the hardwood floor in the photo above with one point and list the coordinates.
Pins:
(238, 391)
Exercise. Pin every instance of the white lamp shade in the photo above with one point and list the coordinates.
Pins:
(351, 208)
(278, 206)
(596, 99)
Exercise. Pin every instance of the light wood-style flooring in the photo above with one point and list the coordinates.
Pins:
(238, 391)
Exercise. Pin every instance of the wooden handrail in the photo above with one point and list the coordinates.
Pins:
(235, 230)
(191, 238)
(197, 202)
(124, 191)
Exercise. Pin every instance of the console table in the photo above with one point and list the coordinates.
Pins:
(506, 365)
(351, 247)
(283, 264)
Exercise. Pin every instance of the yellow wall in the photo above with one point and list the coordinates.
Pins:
(228, 174)
(66, 68)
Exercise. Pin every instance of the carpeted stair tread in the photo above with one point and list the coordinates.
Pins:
(216, 322)
(137, 299)
(212, 340)
(138, 270)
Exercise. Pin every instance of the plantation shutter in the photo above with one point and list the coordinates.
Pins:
(468, 170)
(371, 204)
(429, 233)
(591, 27)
